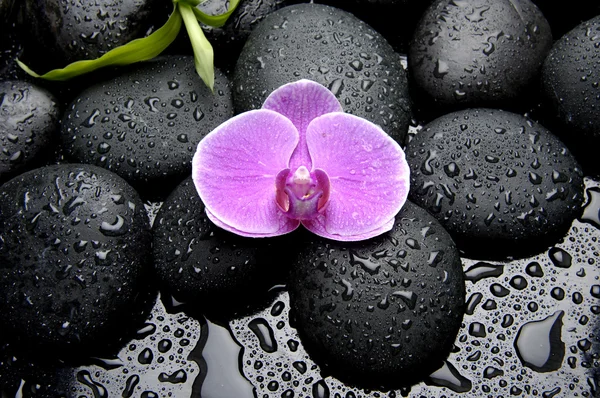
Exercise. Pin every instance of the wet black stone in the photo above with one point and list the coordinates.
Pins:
(59, 33)
(571, 82)
(205, 266)
(29, 117)
(229, 39)
(382, 312)
(74, 253)
(395, 20)
(501, 184)
(145, 125)
(333, 48)
(564, 16)
(477, 53)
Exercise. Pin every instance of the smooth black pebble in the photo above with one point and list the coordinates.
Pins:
(74, 255)
(29, 118)
(571, 82)
(145, 125)
(205, 266)
(477, 53)
(333, 48)
(501, 184)
(382, 312)
(59, 33)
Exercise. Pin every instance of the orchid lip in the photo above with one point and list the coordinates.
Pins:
(302, 195)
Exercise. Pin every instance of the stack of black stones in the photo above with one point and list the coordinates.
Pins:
(113, 282)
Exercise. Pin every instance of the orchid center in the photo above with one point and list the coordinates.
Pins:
(302, 195)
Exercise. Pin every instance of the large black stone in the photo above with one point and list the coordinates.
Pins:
(501, 184)
(477, 53)
(333, 48)
(74, 254)
(145, 125)
(571, 82)
(382, 312)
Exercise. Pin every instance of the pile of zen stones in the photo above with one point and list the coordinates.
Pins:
(113, 281)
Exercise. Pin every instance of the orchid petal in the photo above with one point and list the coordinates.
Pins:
(301, 102)
(368, 172)
(288, 225)
(318, 227)
(235, 169)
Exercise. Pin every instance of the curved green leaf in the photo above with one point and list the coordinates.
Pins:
(134, 51)
(203, 51)
(216, 21)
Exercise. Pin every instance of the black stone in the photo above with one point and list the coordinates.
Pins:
(145, 125)
(229, 39)
(333, 48)
(571, 82)
(382, 312)
(59, 32)
(74, 254)
(477, 53)
(29, 117)
(501, 184)
(395, 20)
(207, 267)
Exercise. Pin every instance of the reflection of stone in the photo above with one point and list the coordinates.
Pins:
(219, 362)
(539, 345)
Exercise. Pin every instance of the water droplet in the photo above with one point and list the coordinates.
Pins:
(265, 334)
(560, 258)
(539, 345)
(448, 376)
(483, 270)
(117, 228)
(370, 266)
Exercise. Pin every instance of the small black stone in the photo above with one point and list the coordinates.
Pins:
(145, 125)
(477, 53)
(571, 82)
(382, 312)
(501, 184)
(74, 252)
(205, 266)
(333, 48)
(29, 117)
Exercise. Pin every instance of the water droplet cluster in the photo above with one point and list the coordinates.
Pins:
(478, 52)
(495, 180)
(28, 120)
(74, 245)
(571, 84)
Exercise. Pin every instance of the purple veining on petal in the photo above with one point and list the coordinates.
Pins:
(301, 102)
(368, 172)
(235, 167)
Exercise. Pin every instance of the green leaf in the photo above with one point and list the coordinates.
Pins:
(216, 21)
(203, 51)
(134, 51)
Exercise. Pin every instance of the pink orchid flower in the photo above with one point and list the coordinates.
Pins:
(301, 160)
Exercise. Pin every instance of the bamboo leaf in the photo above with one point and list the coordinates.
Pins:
(134, 51)
(203, 51)
(216, 21)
